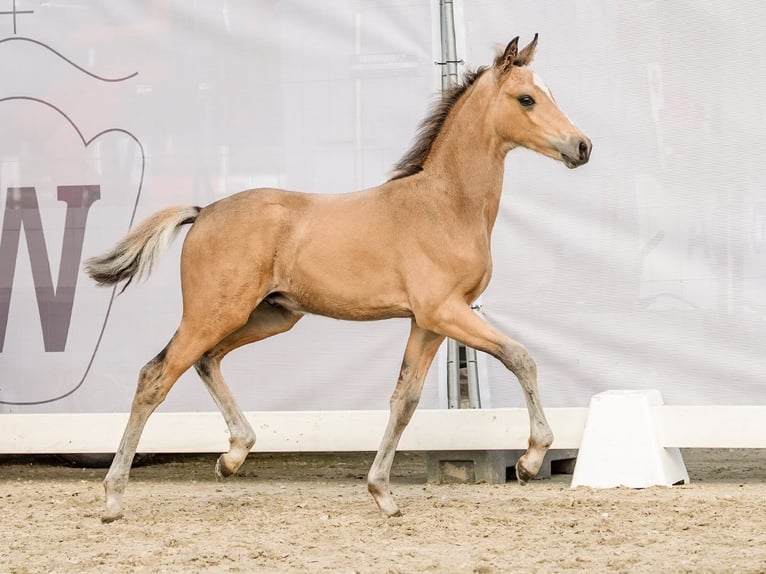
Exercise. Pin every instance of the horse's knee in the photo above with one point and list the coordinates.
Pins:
(518, 360)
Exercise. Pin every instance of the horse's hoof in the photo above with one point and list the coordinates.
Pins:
(109, 518)
(384, 500)
(389, 507)
(522, 474)
(221, 470)
(113, 509)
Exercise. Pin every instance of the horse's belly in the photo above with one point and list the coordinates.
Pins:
(340, 307)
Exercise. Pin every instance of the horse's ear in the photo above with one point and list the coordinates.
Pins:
(526, 56)
(504, 61)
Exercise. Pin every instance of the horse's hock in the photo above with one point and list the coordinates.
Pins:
(492, 466)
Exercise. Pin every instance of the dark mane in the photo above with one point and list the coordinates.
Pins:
(429, 129)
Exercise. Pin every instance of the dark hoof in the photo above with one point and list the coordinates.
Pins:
(109, 518)
(522, 475)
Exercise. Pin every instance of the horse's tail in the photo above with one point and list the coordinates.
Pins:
(137, 252)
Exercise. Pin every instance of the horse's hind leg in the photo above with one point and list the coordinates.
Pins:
(421, 348)
(154, 382)
(265, 321)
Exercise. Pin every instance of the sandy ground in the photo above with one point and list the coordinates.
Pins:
(287, 513)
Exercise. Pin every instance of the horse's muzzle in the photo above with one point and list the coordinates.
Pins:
(576, 153)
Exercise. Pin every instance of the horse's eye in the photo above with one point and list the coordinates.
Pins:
(526, 101)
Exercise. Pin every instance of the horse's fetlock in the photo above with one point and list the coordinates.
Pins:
(375, 489)
(377, 484)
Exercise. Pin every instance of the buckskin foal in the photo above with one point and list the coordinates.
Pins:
(417, 246)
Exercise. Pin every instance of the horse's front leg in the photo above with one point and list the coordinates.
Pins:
(421, 348)
(455, 319)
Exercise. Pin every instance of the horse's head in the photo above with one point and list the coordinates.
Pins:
(525, 113)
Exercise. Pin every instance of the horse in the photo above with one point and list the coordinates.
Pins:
(418, 246)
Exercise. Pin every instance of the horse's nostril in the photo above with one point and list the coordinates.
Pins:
(584, 150)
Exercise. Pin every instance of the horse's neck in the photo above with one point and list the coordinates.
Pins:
(468, 155)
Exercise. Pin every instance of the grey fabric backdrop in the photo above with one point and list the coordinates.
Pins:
(645, 268)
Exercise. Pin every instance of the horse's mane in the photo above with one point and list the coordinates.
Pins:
(431, 126)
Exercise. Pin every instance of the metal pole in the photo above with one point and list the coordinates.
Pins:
(453, 374)
(474, 399)
(449, 47)
(472, 368)
(448, 80)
